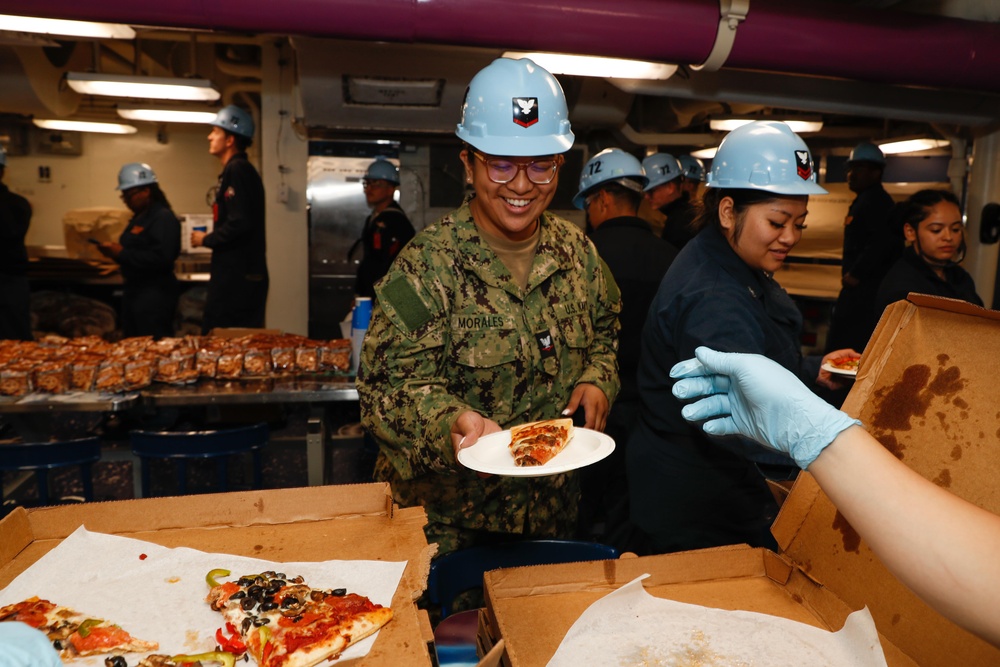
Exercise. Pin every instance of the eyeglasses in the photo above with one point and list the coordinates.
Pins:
(590, 199)
(539, 172)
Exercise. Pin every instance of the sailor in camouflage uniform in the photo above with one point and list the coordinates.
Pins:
(498, 314)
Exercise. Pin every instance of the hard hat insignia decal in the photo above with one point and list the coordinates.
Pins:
(803, 165)
(525, 111)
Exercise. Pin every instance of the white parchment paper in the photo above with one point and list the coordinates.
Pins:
(630, 627)
(158, 594)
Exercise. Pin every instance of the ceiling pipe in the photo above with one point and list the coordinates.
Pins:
(790, 36)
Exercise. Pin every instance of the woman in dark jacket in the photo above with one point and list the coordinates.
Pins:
(932, 225)
(687, 490)
(146, 253)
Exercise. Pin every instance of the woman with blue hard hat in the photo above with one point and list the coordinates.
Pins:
(688, 490)
(500, 313)
(146, 252)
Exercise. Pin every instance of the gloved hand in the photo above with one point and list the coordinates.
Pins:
(752, 396)
(23, 646)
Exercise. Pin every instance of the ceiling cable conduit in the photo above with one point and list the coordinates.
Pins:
(789, 36)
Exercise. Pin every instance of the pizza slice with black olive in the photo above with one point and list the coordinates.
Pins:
(284, 622)
(72, 633)
(536, 443)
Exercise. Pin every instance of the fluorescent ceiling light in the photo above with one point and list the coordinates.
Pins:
(166, 115)
(911, 145)
(65, 28)
(608, 68)
(705, 153)
(150, 87)
(84, 126)
(730, 124)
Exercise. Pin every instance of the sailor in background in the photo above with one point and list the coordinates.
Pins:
(15, 294)
(871, 246)
(146, 252)
(237, 289)
(610, 193)
(693, 170)
(665, 193)
(386, 230)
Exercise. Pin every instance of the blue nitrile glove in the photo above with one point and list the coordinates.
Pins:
(752, 396)
(23, 646)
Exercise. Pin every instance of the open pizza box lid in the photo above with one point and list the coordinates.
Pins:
(925, 389)
(347, 522)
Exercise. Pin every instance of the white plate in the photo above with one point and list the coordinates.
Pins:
(491, 454)
(839, 371)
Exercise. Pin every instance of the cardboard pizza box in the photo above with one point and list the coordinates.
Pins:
(926, 389)
(349, 522)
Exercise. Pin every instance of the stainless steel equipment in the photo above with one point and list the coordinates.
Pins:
(337, 213)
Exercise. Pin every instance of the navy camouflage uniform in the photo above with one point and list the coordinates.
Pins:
(452, 331)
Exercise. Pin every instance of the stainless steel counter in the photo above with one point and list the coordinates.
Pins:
(317, 391)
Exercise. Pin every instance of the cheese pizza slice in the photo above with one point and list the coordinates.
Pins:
(536, 443)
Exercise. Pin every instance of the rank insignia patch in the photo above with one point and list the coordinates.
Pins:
(545, 346)
(525, 111)
(803, 165)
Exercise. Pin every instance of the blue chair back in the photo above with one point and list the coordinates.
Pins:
(459, 571)
(41, 457)
(214, 444)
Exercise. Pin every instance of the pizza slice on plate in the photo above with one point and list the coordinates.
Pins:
(536, 443)
(846, 363)
(283, 622)
(74, 634)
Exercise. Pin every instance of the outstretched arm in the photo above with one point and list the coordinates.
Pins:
(936, 543)
(942, 547)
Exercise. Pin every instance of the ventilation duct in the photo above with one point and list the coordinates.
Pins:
(788, 36)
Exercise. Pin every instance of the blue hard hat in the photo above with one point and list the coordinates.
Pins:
(692, 168)
(866, 152)
(765, 155)
(135, 174)
(610, 165)
(515, 108)
(234, 119)
(661, 168)
(382, 170)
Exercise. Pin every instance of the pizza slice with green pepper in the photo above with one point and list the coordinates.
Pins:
(74, 634)
(283, 622)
